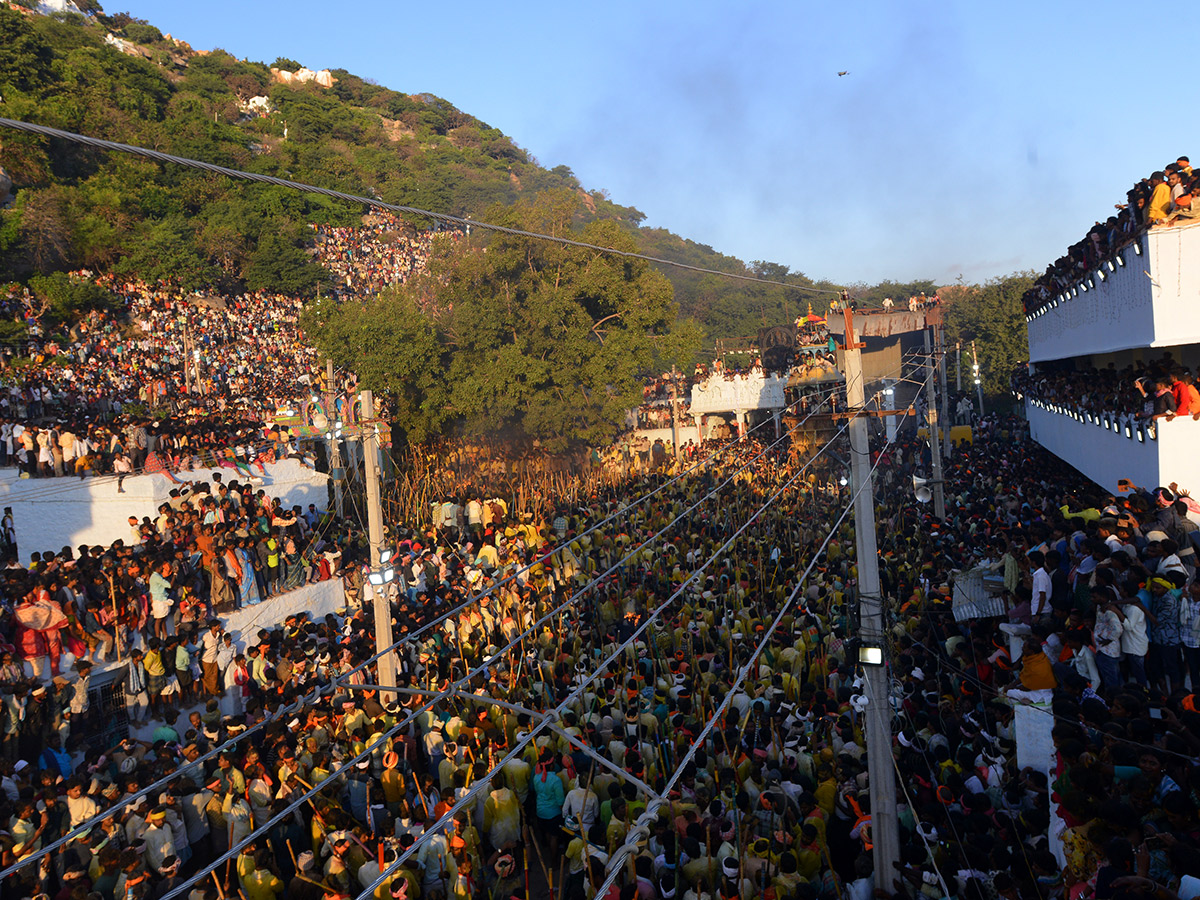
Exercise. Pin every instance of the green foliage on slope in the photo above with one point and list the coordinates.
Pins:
(81, 207)
(76, 206)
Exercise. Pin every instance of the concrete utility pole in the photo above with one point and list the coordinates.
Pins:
(978, 380)
(187, 361)
(935, 445)
(675, 412)
(335, 449)
(947, 445)
(885, 827)
(382, 603)
(958, 366)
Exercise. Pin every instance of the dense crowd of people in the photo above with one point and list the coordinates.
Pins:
(65, 444)
(365, 259)
(164, 348)
(556, 667)
(1100, 634)
(1162, 199)
(655, 410)
(199, 376)
(203, 354)
(1161, 390)
(215, 546)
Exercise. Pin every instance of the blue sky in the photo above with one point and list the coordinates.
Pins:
(967, 138)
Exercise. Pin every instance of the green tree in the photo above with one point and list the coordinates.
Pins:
(25, 57)
(142, 34)
(396, 351)
(63, 299)
(44, 229)
(12, 331)
(278, 264)
(990, 314)
(287, 65)
(874, 295)
(167, 251)
(530, 337)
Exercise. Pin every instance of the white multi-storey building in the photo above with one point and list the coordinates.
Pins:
(1139, 305)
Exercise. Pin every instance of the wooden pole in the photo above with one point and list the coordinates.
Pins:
(112, 593)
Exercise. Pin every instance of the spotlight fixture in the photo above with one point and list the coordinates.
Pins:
(870, 656)
(383, 577)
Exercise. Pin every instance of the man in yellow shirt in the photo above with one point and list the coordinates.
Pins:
(259, 882)
(1160, 199)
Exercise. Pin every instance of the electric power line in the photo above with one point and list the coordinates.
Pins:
(469, 795)
(45, 131)
(640, 829)
(332, 687)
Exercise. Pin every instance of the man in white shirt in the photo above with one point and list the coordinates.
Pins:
(210, 646)
(1135, 642)
(1042, 588)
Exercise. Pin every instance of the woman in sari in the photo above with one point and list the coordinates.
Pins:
(293, 566)
(249, 585)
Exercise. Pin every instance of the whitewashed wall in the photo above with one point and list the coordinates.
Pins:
(1106, 456)
(1150, 302)
(51, 513)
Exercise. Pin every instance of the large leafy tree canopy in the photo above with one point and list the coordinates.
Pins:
(535, 338)
(990, 314)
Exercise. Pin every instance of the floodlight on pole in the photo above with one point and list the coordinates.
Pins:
(870, 656)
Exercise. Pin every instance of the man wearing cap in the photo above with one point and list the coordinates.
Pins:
(340, 868)
(305, 884)
(392, 781)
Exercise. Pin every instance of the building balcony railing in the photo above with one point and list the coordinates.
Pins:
(1108, 447)
(1143, 296)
